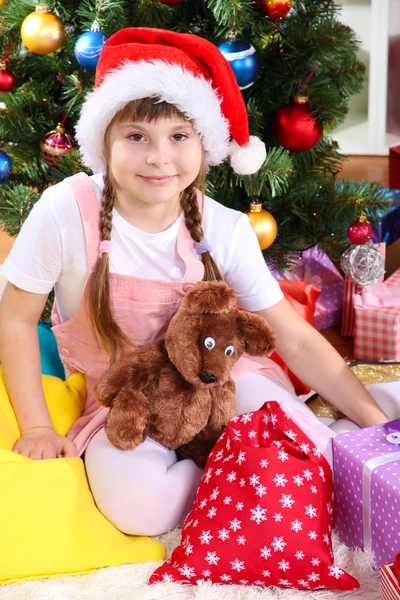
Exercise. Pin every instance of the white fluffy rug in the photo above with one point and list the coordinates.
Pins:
(129, 582)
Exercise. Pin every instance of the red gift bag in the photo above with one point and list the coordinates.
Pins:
(263, 511)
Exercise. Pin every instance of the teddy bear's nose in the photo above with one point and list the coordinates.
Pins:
(206, 378)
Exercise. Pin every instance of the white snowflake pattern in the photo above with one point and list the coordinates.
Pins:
(206, 573)
(326, 538)
(321, 473)
(235, 419)
(266, 418)
(244, 581)
(252, 434)
(303, 583)
(296, 526)
(274, 419)
(208, 474)
(223, 534)
(167, 577)
(212, 558)
(205, 537)
(218, 471)
(284, 582)
(260, 583)
(315, 562)
(246, 418)
(291, 434)
(335, 571)
(188, 549)
(231, 477)
(203, 503)
(305, 447)
(314, 577)
(283, 565)
(266, 573)
(277, 443)
(225, 577)
(235, 524)
(298, 480)
(239, 506)
(258, 514)
(277, 517)
(283, 456)
(313, 535)
(237, 565)
(329, 508)
(265, 552)
(307, 474)
(317, 452)
(187, 571)
(195, 523)
(314, 489)
(229, 457)
(254, 480)
(241, 458)
(264, 463)
(287, 501)
(261, 490)
(242, 482)
(237, 432)
(280, 480)
(215, 494)
(227, 500)
(278, 544)
(266, 435)
(299, 554)
(311, 511)
(219, 456)
(228, 443)
(212, 512)
(241, 540)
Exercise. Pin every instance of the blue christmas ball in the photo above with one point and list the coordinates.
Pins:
(88, 47)
(5, 166)
(243, 59)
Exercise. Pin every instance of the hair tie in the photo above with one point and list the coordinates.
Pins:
(202, 246)
(105, 247)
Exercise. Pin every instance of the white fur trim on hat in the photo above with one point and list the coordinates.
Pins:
(246, 160)
(193, 95)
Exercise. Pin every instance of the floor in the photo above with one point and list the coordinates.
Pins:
(371, 168)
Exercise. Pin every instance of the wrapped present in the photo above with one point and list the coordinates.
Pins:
(387, 226)
(367, 495)
(377, 321)
(351, 288)
(394, 167)
(389, 584)
(316, 268)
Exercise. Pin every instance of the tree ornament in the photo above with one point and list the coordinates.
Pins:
(360, 231)
(7, 79)
(363, 263)
(171, 2)
(5, 166)
(56, 144)
(42, 31)
(263, 224)
(88, 47)
(275, 10)
(3, 2)
(243, 59)
(294, 128)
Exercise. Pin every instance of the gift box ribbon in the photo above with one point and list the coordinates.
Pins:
(396, 567)
(380, 295)
(392, 430)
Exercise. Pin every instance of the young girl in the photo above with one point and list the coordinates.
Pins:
(123, 246)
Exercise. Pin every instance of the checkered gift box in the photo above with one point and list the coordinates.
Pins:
(377, 330)
(389, 584)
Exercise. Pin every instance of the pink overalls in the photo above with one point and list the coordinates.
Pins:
(142, 308)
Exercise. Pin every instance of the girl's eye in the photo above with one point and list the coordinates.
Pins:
(136, 137)
(229, 350)
(180, 137)
(209, 343)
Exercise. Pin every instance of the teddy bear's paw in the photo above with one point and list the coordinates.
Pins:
(124, 433)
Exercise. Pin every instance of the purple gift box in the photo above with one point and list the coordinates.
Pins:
(367, 489)
(315, 267)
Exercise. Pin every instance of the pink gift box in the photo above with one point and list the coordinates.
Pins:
(389, 584)
(377, 330)
(367, 490)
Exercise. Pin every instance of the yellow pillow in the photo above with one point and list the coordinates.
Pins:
(49, 523)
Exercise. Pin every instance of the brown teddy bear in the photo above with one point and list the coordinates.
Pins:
(179, 391)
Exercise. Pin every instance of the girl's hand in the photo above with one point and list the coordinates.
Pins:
(43, 442)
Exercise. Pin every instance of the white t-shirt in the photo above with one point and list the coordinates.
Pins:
(50, 251)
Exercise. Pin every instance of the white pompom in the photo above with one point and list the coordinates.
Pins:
(246, 160)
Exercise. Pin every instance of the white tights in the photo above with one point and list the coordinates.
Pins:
(146, 491)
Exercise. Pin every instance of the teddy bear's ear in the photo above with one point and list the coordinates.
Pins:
(259, 339)
(209, 297)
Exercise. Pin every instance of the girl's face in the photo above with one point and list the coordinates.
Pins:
(153, 163)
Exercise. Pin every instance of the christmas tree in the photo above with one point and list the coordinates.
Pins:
(297, 66)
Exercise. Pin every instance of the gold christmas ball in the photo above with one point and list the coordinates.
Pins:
(3, 2)
(263, 224)
(42, 31)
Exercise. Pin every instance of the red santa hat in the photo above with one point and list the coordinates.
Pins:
(182, 69)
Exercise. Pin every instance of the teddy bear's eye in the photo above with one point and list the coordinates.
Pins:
(209, 343)
(229, 350)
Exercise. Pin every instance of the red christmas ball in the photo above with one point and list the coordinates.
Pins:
(359, 233)
(56, 144)
(294, 128)
(171, 2)
(274, 9)
(7, 80)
